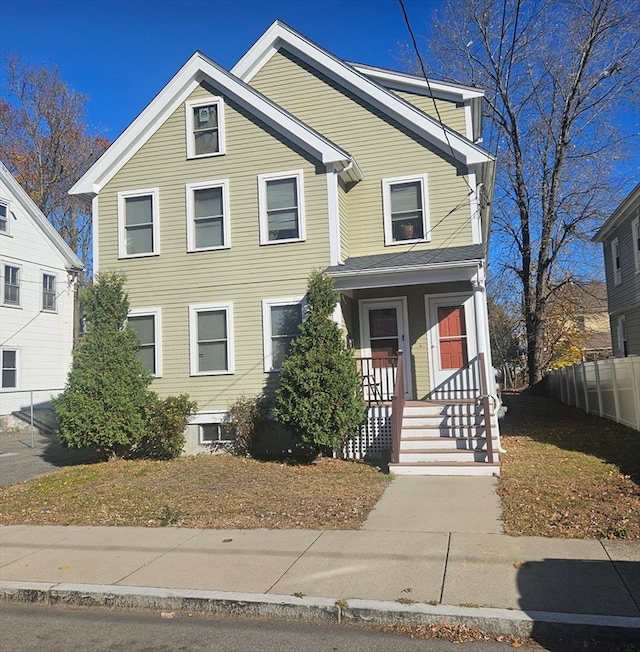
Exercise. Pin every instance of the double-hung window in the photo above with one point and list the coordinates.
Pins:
(146, 324)
(9, 369)
(405, 209)
(635, 232)
(205, 127)
(11, 285)
(615, 262)
(4, 217)
(281, 199)
(48, 292)
(281, 319)
(211, 339)
(138, 223)
(208, 216)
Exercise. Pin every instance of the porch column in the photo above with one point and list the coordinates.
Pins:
(480, 309)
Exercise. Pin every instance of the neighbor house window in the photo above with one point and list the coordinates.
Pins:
(281, 198)
(406, 216)
(635, 231)
(615, 262)
(11, 285)
(215, 433)
(138, 223)
(4, 217)
(48, 292)
(622, 337)
(208, 215)
(281, 319)
(205, 127)
(9, 368)
(146, 324)
(211, 339)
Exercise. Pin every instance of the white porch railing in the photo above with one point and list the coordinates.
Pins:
(609, 388)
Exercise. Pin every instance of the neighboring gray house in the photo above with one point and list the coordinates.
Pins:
(620, 235)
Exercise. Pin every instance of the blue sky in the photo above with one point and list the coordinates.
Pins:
(120, 53)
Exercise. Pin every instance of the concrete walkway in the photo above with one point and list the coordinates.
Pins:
(432, 550)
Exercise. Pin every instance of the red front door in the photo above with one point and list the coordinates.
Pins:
(452, 337)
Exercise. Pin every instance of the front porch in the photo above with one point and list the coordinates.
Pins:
(442, 436)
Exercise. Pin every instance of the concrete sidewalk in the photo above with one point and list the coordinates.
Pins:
(431, 551)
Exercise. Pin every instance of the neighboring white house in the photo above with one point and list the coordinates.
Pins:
(38, 275)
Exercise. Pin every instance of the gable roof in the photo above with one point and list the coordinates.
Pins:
(282, 36)
(29, 206)
(624, 211)
(196, 70)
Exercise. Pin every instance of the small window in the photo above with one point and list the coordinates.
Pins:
(208, 216)
(4, 217)
(281, 198)
(211, 339)
(146, 325)
(205, 128)
(405, 209)
(9, 369)
(138, 223)
(11, 285)
(281, 319)
(48, 292)
(215, 433)
(635, 230)
(622, 337)
(615, 262)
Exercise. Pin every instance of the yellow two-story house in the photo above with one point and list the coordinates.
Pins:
(231, 186)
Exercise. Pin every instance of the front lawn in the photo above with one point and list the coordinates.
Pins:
(566, 473)
(218, 491)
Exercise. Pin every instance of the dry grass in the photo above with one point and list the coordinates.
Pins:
(568, 474)
(218, 491)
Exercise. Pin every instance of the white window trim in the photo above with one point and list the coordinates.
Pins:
(262, 202)
(44, 273)
(615, 254)
(17, 385)
(267, 304)
(386, 209)
(191, 229)
(157, 334)
(4, 301)
(193, 338)
(194, 104)
(635, 232)
(7, 203)
(622, 335)
(155, 221)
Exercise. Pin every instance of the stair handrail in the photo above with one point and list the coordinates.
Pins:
(397, 410)
(486, 405)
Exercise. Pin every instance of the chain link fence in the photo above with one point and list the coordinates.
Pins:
(27, 414)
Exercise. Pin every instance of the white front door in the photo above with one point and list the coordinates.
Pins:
(384, 332)
(452, 347)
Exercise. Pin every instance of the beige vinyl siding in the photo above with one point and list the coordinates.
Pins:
(343, 207)
(243, 275)
(382, 149)
(451, 113)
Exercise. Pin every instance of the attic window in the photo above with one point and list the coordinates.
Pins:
(4, 217)
(205, 127)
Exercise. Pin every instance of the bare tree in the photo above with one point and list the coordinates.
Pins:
(555, 72)
(45, 143)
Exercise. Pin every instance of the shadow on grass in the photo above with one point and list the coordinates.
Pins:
(533, 414)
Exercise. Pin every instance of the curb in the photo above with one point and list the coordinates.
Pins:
(363, 612)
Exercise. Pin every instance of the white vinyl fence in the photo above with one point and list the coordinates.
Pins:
(609, 388)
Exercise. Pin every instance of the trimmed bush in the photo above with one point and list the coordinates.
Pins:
(319, 396)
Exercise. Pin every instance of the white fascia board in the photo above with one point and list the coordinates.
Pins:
(399, 276)
(619, 215)
(282, 36)
(415, 84)
(195, 71)
(73, 262)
